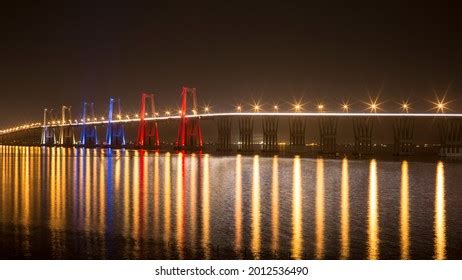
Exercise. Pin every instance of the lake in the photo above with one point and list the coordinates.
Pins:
(75, 203)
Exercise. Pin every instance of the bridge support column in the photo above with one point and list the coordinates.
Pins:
(403, 130)
(450, 137)
(297, 130)
(88, 136)
(328, 135)
(363, 128)
(67, 136)
(270, 134)
(224, 134)
(189, 130)
(115, 132)
(66, 132)
(148, 132)
(48, 137)
(245, 134)
(193, 139)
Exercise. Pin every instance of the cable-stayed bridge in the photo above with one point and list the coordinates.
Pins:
(67, 132)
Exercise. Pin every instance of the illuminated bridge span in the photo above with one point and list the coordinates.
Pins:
(66, 132)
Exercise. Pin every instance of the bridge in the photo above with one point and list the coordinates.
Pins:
(66, 132)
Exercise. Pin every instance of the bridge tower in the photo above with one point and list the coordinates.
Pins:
(189, 130)
(362, 128)
(48, 137)
(403, 131)
(89, 135)
(297, 130)
(270, 134)
(328, 135)
(224, 134)
(148, 132)
(245, 134)
(115, 133)
(66, 131)
(450, 137)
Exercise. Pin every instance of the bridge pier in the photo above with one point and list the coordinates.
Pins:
(189, 131)
(66, 133)
(66, 136)
(245, 134)
(328, 135)
(148, 132)
(450, 137)
(270, 134)
(297, 130)
(148, 135)
(89, 135)
(224, 134)
(363, 128)
(115, 135)
(403, 131)
(193, 137)
(48, 136)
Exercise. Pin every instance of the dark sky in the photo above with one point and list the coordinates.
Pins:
(61, 54)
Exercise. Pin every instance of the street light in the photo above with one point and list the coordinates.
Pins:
(405, 107)
(373, 105)
(297, 107)
(440, 105)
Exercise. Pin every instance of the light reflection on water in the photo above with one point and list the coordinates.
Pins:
(238, 207)
(440, 214)
(319, 209)
(206, 210)
(345, 212)
(77, 203)
(404, 213)
(255, 245)
(275, 206)
(297, 235)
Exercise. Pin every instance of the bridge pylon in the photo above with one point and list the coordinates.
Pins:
(450, 131)
(245, 134)
(297, 131)
(403, 131)
(66, 131)
(148, 132)
(224, 134)
(89, 135)
(270, 134)
(189, 130)
(115, 133)
(363, 128)
(328, 135)
(48, 137)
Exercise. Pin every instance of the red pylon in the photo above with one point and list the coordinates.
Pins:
(189, 130)
(148, 133)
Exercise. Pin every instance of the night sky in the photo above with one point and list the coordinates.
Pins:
(232, 53)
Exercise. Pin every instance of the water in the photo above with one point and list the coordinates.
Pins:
(102, 204)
